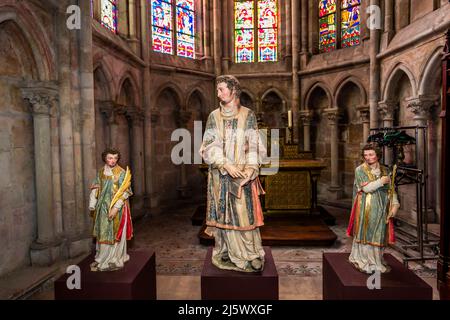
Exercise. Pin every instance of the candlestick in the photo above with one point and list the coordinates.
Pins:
(290, 119)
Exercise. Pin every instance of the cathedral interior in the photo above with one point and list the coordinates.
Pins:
(77, 77)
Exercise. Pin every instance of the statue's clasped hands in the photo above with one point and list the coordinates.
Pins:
(235, 173)
(112, 213)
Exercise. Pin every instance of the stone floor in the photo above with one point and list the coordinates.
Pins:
(179, 259)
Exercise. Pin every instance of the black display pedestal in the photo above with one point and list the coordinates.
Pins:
(136, 280)
(342, 281)
(218, 284)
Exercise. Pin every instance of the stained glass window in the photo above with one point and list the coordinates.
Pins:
(255, 18)
(109, 14)
(350, 23)
(162, 36)
(165, 14)
(244, 31)
(267, 30)
(185, 28)
(327, 25)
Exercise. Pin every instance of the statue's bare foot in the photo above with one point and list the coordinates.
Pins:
(225, 257)
(256, 264)
(94, 266)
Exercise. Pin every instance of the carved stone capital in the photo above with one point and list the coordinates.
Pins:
(332, 115)
(422, 106)
(135, 116)
(306, 117)
(120, 109)
(155, 115)
(106, 108)
(182, 117)
(364, 113)
(386, 109)
(284, 117)
(41, 100)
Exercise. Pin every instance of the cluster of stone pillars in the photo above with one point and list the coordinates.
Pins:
(135, 116)
(421, 107)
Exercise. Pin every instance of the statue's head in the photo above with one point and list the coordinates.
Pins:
(371, 153)
(111, 156)
(228, 87)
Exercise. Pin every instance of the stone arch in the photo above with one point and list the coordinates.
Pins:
(348, 96)
(275, 91)
(343, 83)
(274, 109)
(431, 86)
(35, 36)
(200, 105)
(178, 93)
(314, 87)
(20, 59)
(248, 99)
(392, 81)
(318, 99)
(103, 73)
(432, 73)
(167, 105)
(129, 86)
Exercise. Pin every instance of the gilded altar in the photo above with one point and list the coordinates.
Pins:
(294, 187)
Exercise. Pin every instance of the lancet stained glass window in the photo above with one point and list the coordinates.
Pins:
(350, 23)
(162, 36)
(167, 39)
(339, 24)
(327, 25)
(267, 30)
(185, 28)
(109, 14)
(255, 18)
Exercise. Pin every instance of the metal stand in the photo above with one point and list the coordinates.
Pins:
(413, 250)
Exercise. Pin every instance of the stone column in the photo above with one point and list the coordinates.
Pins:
(132, 39)
(217, 37)
(136, 119)
(304, 31)
(288, 35)
(335, 190)
(386, 110)
(374, 76)
(364, 115)
(146, 103)
(305, 118)
(421, 107)
(83, 241)
(295, 93)
(225, 37)
(206, 28)
(389, 28)
(118, 109)
(107, 111)
(45, 249)
(183, 189)
(154, 195)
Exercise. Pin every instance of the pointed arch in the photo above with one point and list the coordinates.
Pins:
(36, 37)
(431, 71)
(392, 80)
(101, 69)
(276, 91)
(317, 85)
(343, 83)
(199, 93)
(172, 87)
(128, 76)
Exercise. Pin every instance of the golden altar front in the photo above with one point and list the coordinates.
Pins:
(293, 187)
